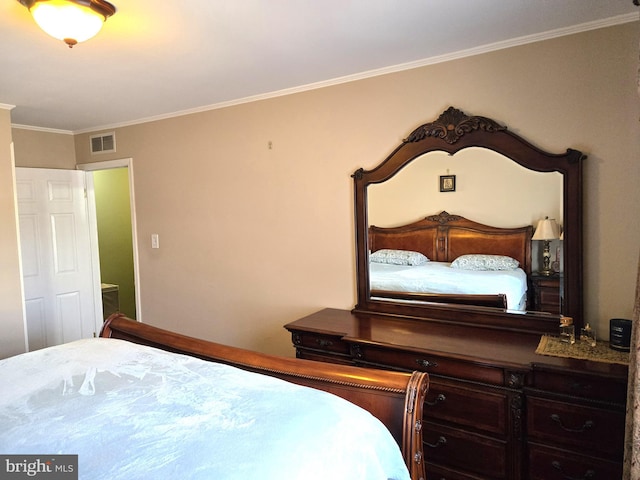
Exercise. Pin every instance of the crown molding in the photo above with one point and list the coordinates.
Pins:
(42, 129)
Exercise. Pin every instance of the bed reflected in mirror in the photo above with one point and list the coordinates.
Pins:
(491, 190)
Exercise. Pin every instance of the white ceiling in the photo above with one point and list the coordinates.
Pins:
(157, 58)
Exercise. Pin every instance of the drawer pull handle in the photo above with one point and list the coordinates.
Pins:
(439, 398)
(324, 343)
(442, 441)
(588, 475)
(580, 387)
(426, 363)
(586, 426)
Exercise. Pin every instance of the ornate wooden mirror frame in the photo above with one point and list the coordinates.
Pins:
(451, 132)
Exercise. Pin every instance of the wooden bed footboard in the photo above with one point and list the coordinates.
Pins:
(394, 398)
(498, 300)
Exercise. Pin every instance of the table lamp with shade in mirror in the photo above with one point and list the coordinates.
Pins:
(546, 231)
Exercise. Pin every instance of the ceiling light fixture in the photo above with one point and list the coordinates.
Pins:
(71, 21)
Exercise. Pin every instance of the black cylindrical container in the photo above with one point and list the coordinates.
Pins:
(620, 334)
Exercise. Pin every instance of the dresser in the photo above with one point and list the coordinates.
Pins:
(495, 409)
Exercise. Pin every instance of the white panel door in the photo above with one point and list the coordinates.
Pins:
(57, 268)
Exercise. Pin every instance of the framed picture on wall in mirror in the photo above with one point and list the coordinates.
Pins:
(447, 183)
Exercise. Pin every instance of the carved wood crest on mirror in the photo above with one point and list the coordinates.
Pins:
(450, 227)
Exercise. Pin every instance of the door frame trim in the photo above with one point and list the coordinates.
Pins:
(19, 248)
(107, 165)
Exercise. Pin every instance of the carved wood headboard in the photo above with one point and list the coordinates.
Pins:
(444, 237)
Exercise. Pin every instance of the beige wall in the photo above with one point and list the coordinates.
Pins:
(252, 237)
(35, 148)
(12, 339)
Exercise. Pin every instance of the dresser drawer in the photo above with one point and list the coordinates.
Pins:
(547, 463)
(467, 406)
(549, 301)
(579, 426)
(468, 452)
(438, 472)
(595, 388)
(549, 296)
(322, 357)
(433, 364)
(324, 343)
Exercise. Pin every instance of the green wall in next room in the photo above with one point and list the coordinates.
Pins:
(115, 241)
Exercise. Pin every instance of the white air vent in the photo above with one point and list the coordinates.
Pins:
(103, 143)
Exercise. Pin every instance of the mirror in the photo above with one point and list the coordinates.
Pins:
(491, 189)
(473, 168)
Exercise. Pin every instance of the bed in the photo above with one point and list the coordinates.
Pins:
(142, 402)
(466, 262)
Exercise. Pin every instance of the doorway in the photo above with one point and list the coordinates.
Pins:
(111, 199)
(60, 260)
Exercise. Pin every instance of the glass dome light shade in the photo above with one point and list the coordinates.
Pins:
(68, 20)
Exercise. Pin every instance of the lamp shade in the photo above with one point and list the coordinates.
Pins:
(71, 21)
(547, 229)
